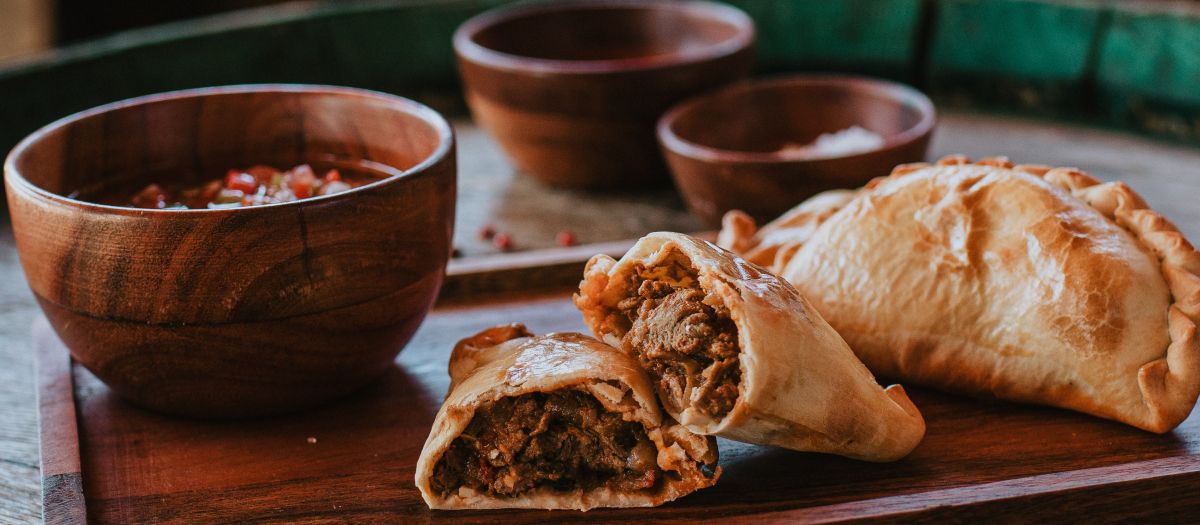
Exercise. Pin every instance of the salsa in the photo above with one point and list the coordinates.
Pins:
(249, 187)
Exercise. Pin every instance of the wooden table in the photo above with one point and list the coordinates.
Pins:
(1165, 174)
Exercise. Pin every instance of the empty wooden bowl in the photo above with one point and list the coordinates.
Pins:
(245, 311)
(572, 90)
(749, 146)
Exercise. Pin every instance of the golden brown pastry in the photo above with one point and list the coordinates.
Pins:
(736, 352)
(559, 421)
(779, 239)
(1025, 283)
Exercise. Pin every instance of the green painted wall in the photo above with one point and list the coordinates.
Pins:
(1148, 73)
(1132, 64)
(1020, 38)
(864, 35)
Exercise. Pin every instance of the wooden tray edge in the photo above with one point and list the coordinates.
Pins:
(1128, 488)
(467, 280)
(473, 279)
(63, 500)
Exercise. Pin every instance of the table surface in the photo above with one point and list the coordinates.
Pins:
(489, 193)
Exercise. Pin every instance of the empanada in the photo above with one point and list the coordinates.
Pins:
(736, 352)
(1024, 283)
(559, 421)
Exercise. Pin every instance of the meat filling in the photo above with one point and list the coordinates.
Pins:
(563, 440)
(689, 347)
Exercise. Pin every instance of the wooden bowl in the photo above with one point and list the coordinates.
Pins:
(736, 148)
(572, 90)
(247, 311)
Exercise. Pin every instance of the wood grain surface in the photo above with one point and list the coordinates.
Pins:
(243, 311)
(20, 480)
(491, 193)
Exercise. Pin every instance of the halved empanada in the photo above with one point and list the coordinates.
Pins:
(1025, 283)
(560, 421)
(736, 352)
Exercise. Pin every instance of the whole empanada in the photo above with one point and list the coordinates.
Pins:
(1025, 283)
(736, 352)
(560, 421)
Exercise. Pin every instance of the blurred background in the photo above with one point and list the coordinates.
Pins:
(1131, 66)
(35, 25)
(27, 26)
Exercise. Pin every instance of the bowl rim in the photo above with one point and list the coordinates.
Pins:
(466, 48)
(17, 181)
(676, 144)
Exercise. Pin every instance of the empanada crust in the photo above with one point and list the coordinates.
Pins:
(802, 388)
(507, 361)
(1024, 283)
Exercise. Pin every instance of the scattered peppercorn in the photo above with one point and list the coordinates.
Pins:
(487, 232)
(565, 238)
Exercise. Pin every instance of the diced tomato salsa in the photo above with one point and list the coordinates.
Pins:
(249, 187)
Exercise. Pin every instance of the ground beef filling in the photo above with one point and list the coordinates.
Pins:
(689, 347)
(563, 440)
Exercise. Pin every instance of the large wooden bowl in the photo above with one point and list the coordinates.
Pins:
(572, 90)
(247, 311)
(735, 148)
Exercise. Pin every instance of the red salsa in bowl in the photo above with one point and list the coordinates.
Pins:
(248, 187)
(247, 311)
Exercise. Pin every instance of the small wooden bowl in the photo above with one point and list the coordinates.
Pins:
(247, 311)
(735, 149)
(572, 90)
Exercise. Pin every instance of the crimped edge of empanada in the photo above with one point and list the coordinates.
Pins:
(773, 245)
(1169, 385)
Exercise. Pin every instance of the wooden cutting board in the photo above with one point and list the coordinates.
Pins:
(353, 461)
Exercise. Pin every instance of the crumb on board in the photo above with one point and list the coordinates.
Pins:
(486, 232)
(565, 238)
(503, 241)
